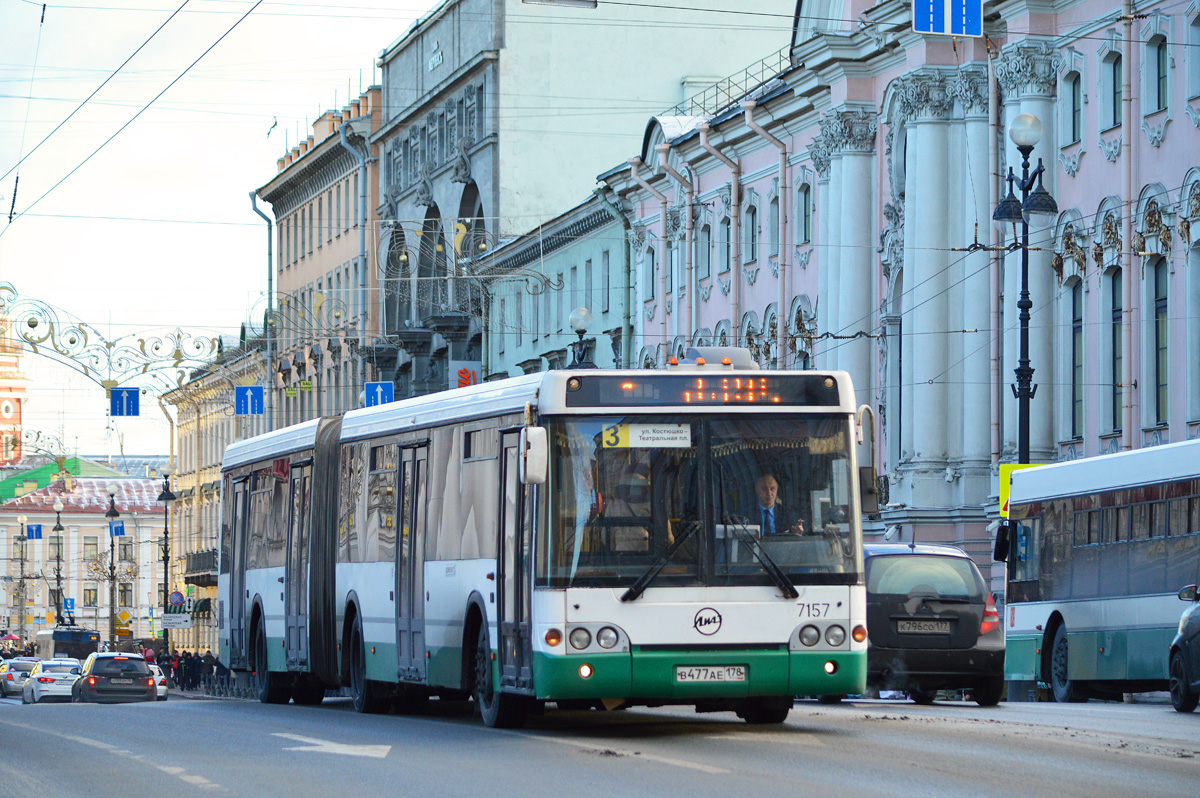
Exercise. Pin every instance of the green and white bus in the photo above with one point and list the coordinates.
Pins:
(1102, 547)
(578, 538)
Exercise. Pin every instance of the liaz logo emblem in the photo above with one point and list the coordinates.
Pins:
(707, 621)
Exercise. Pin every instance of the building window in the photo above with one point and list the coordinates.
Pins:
(55, 549)
(503, 327)
(651, 274)
(670, 267)
(804, 214)
(588, 276)
(773, 221)
(91, 548)
(1161, 333)
(704, 253)
(1193, 51)
(125, 551)
(725, 245)
(320, 217)
(751, 234)
(1075, 108)
(1077, 360)
(91, 594)
(125, 594)
(605, 281)
(1114, 81)
(1115, 329)
(1158, 94)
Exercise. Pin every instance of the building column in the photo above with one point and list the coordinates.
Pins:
(819, 151)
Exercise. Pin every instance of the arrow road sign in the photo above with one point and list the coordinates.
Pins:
(379, 393)
(124, 402)
(116, 528)
(68, 604)
(249, 400)
(33, 532)
(948, 17)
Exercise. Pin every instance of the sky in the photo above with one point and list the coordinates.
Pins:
(153, 230)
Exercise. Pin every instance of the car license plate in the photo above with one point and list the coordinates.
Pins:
(710, 673)
(923, 627)
(120, 681)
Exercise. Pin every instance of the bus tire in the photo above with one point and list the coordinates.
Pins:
(308, 693)
(365, 692)
(1182, 698)
(988, 693)
(766, 709)
(923, 697)
(830, 699)
(499, 710)
(272, 689)
(1064, 690)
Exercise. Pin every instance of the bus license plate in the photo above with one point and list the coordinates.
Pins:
(710, 673)
(923, 627)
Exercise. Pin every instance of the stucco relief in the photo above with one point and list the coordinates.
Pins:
(850, 130)
(924, 94)
(1193, 114)
(424, 193)
(891, 240)
(1111, 149)
(802, 256)
(462, 161)
(1072, 252)
(1028, 67)
(969, 88)
(1155, 133)
(1070, 163)
(1154, 225)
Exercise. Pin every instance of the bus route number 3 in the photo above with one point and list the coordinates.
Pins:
(815, 610)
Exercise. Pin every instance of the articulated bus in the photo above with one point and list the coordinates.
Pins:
(1102, 547)
(583, 538)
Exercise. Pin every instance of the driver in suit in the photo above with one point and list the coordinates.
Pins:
(770, 514)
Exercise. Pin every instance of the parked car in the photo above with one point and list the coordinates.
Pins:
(49, 680)
(160, 680)
(13, 673)
(1183, 674)
(931, 624)
(111, 677)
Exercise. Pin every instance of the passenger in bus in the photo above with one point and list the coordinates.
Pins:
(772, 516)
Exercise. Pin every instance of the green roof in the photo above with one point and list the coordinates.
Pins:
(43, 475)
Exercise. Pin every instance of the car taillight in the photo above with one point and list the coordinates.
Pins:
(162, 681)
(46, 679)
(92, 680)
(10, 677)
(991, 618)
(150, 681)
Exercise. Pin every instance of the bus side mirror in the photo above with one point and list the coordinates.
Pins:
(535, 455)
(1003, 541)
(868, 490)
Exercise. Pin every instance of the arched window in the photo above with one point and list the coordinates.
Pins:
(1077, 360)
(751, 253)
(773, 221)
(1115, 362)
(804, 214)
(704, 253)
(1161, 341)
(651, 275)
(725, 245)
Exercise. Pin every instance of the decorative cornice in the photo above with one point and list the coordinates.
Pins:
(850, 130)
(1028, 67)
(924, 95)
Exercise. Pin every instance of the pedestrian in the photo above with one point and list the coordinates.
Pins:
(206, 669)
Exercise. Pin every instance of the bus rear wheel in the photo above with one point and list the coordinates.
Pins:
(1064, 690)
(499, 710)
(366, 693)
(272, 689)
(766, 709)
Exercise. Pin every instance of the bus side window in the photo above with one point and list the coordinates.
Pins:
(1027, 548)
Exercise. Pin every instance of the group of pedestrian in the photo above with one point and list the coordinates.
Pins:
(191, 670)
(10, 651)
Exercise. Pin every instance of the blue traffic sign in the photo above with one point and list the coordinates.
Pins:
(33, 532)
(116, 528)
(68, 604)
(249, 400)
(379, 393)
(124, 402)
(948, 17)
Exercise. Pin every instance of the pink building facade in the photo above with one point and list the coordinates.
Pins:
(839, 216)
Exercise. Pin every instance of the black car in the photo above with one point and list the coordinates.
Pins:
(110, 677)
(1183, 673)
(931, 624)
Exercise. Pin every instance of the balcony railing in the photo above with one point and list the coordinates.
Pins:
(201, 568)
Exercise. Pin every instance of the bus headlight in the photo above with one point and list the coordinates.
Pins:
(580, 638)
(835, 635)
(810, 635)
(607, 637)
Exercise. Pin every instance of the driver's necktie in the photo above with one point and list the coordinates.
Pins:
(768, 523)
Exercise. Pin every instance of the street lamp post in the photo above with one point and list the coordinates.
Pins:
(166, 497)
(581, 357)
(112, 515)
(58, 530)
(22, 601)
(1025, 131)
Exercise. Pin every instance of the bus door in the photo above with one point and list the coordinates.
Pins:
(237, 572)
(295, 583)
(516, 532)
(410, 565)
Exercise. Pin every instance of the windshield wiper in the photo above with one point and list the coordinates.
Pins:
(774, 571)
(643, 581)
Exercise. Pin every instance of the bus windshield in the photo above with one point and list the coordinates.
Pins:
(740, 493)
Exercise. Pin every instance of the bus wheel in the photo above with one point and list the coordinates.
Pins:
(922, 696)
(308, 693)
(1182, 698)
(499, 710)
(766, 709)
(271, 687)
(1066, 691)
(366, 693)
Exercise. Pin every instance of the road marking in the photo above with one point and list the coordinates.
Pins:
(180, 773)
(681, 763)
(787, 738)
(330, 747)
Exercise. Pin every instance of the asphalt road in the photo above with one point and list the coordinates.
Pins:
(875, 748)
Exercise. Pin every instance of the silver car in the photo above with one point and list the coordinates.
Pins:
(13, 673)
(50, 680)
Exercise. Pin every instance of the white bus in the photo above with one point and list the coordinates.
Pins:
(1101, 549)
(586, 538)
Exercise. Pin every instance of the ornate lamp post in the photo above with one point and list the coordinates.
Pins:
(58, 530)
(581, 356)
(22, 601)
(166, 497)
(112, 515)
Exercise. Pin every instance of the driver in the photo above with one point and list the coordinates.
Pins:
(770, 514)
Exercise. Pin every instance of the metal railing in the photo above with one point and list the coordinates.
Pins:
(725, 92)
(201, 562)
